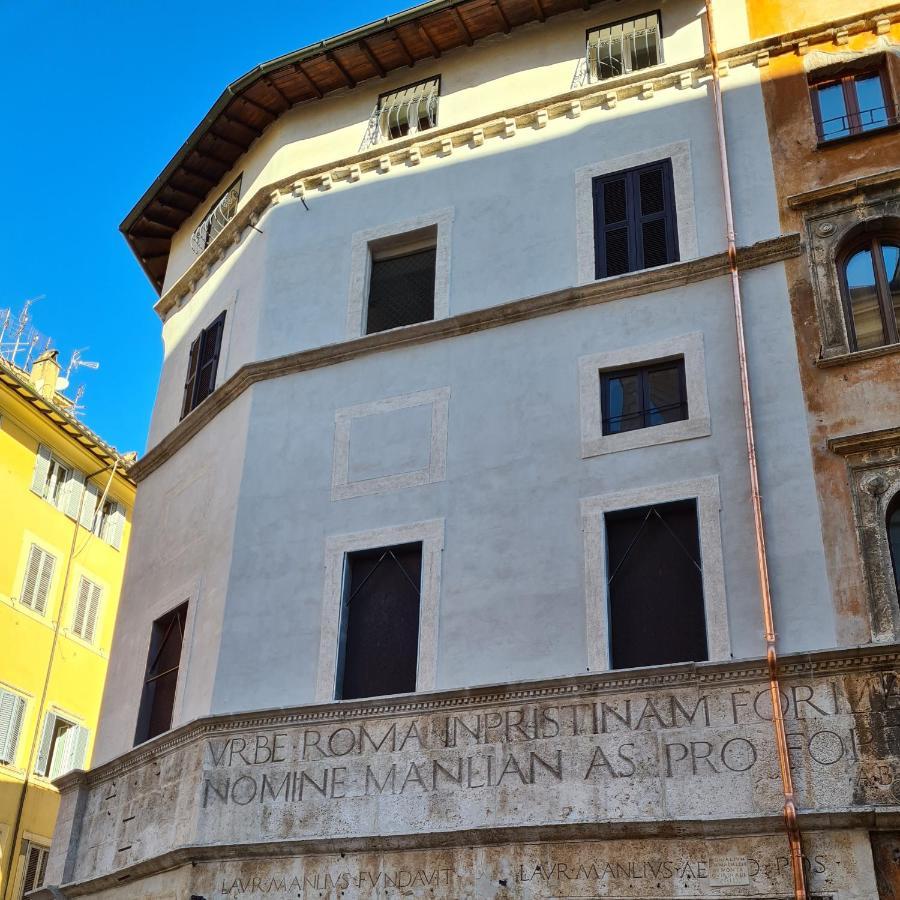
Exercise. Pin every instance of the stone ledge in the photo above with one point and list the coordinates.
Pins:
(844, 189)
(633, 284)
(849, 444)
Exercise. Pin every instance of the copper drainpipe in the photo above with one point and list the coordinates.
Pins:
(790, 808)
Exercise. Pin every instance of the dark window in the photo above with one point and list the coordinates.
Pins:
(622, 47)
(203, 362)
(380, 646)
(634, 219)
(852, 102)
(655, 586)
(869, 270)
(893, 531)
(643, 397)
(401, 289)
(161, 680)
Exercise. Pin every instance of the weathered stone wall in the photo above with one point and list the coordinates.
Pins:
(687, 752)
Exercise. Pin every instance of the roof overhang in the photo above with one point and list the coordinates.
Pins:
(249, 105)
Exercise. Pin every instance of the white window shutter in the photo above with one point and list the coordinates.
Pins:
(41, 468)
(12, 711)
(89, 507)
(90, 623)
(77, 748)
(32, 573)
(81, 606)
(62, 752)
(45, 577)
(116, 525)
(43, 757)
(74, 490)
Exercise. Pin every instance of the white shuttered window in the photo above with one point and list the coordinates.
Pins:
(35, 866)
(38, 578)
(12, 712)
(63, 746)
(87, 605)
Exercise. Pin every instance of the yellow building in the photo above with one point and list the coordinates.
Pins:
(65, 508)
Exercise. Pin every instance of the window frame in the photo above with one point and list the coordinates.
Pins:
(705, 491)
(191, 399)
(399, 250)
(870, 239)
(643, 371)
(44, 768)
(28, 843)
(207, 240)
(587, 42)
(846, 78)
(382, 136)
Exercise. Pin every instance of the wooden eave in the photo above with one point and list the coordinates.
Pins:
(249, 105)
(64, 421)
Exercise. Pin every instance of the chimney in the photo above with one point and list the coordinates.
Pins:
(45, 373)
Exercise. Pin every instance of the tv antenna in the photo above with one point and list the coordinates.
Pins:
(76, 361)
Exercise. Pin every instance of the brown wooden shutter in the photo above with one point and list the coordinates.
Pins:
(188, 402)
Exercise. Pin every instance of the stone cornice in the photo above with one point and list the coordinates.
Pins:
(442, 142)
(819, 819)
(849, 444)
(872, 657)
(636, 283)
(844, 189)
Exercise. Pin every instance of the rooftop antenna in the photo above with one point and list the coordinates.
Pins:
(7, 315)
(76, 403)
(21, 325)
(31, 345)
(76, 362)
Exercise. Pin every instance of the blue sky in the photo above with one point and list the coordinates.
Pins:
(98, 97)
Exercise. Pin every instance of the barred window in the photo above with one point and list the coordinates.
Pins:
(409, 110)
(217, 218)
(622, 47)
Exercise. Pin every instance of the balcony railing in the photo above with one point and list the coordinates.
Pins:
(216, 219)
(861, 122)
(412, 109)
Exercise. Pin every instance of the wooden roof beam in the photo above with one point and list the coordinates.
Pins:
(539, 10)
(502, 16)
(348, 78)
(410, 59)
(372, 58)
(277, 91)
(231, 120)
(263, 109)
(298, 67)
(461, 26)
(216, 136)
(180, 190)
(423, 31)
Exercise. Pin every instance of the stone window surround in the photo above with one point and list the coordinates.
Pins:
(361, 264)
(829, 223)
(683, 185)
(431, 535)
(189, 594)
(687, 346)
(873, 463)
(593, 509)
(342, 488)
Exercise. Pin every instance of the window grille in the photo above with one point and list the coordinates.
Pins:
(217, 218)
(623, 47)
(644, 396)
(87, 605)
(401, 290)
(654, 576)
(35, 866)
(406, 111)
(634, 219)
(161, 679)
(12, 712)
(38, 577)
(380, 630)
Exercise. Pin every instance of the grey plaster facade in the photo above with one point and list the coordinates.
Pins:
(483, 441)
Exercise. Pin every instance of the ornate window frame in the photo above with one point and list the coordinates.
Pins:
(873, 460)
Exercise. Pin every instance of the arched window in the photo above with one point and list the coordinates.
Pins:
(893, 533)
(869, 270)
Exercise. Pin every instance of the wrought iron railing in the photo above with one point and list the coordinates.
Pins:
(216, 219)
(409, 110)
(609, 55)
(857, 123)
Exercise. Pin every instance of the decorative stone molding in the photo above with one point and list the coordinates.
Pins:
(817, 59)
(831, 215)
(682, 176)
(343, 488)
(631, 285)
(431, 534)
(873, 461)
(593, 509)
(690, 348)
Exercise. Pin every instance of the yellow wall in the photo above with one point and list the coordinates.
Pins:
(75, 684)
(771, 17)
